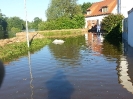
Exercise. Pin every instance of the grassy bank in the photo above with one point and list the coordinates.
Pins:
(62, 33)
(12, 51)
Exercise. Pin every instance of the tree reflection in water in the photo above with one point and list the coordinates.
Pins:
(72, 52)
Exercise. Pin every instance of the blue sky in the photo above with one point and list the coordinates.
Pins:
(35, 8)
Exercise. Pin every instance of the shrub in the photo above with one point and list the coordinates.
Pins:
(15, 30)
(111, 21)
(63, 23)
(112, 25)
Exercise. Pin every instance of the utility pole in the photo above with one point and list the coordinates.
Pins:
(27, 34)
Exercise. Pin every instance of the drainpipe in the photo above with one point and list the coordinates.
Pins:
(119, 6)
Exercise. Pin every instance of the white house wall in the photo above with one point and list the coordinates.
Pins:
(125, 6)
(99, 17)
(115, 10)
(130, 28)
(94, 18)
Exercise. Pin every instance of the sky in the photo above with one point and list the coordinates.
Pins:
(35, 8)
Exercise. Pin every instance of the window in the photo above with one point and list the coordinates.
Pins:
(104, 9)
(88, 12)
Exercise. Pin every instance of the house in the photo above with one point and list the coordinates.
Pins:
(101, 9)
(98, 11)
(130, 28)
(123, 6)
(125, 29)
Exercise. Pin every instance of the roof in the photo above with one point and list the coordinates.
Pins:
(96, 8)
(130, 11)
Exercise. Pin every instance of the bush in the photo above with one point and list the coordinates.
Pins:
(63, 23)
(15, 30)
(111, 21)
(112, 25)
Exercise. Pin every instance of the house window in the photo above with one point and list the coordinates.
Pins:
(105, 9)
(88, 12)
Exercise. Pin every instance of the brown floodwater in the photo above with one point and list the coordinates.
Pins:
(80, 68)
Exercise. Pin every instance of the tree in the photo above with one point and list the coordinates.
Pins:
(35, 23)
(15, 22)
(61, 8)
(3, 23)
(85, 6)
(76, 22)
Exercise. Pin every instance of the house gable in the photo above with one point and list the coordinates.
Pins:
(98, 11)
(102, 8)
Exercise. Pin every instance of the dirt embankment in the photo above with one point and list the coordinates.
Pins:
(20, 37)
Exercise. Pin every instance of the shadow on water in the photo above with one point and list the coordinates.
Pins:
(125, 68)
(59, 87)
(114, 37)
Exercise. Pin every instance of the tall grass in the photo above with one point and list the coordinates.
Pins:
(12, 51)
(61, 33)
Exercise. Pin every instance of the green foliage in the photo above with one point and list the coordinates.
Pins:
(112, 50)
(61, 8)
(37, 44)
(35, 23)
(63, 23)
(15, 30)
(79, 21)
(3, 23)
(115, 35)
(62, 33)
(30, 25)
(112, 24)
(85, 6)
(15, 22)
(20, 49)
(111, 21)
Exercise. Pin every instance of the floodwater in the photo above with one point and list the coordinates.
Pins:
(81, 68)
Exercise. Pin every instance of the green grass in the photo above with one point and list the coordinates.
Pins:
(12, 51)
(61, 33)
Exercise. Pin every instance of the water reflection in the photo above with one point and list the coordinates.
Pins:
(68, 51)
(94, 42)
(123, 75)
(125, 68)
(31, 77)
(59, 87)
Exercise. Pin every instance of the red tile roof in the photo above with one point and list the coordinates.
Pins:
(96, 8)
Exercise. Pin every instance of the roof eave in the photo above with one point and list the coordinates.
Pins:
(97, 15)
